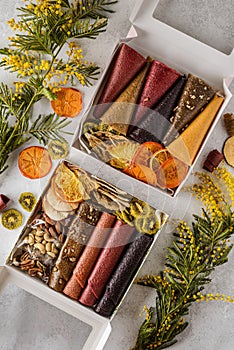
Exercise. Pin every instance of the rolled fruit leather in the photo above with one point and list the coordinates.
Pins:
(78, 235)
(120, 236)
(187, 145)
(127, 63)
(159, 80)
(84, 266)
(155, 124)
(123, 275)
(119, 115)
(195, 96)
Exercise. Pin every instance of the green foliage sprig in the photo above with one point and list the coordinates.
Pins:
(194, 254)
(43, 30)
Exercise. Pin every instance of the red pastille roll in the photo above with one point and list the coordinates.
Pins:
(127, 63)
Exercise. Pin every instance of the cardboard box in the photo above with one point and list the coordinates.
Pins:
(150, 37)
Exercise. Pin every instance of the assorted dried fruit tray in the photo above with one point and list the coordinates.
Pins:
(148, 119)
(86, 238)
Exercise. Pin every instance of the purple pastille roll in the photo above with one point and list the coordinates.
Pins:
(155, 124)
(123, 275)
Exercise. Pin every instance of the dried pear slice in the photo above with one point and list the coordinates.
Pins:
(12, 219)
(58, 149)
(228, 151)
(27, 200)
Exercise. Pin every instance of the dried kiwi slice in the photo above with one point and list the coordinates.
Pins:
(136, 207)
(150, 224)
(139, 222)
(147, 221)
(58, 149)
(27, 200)
(90, 127)
(12, 219)
(126, 217)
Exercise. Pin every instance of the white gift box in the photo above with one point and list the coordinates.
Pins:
(151, 37)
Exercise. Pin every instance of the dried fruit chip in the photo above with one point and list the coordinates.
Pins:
(122, 154)
(228, 151)
(34, 162)
(142, 173)
(159, 158)
(171, 173)
(145, 151)
(58, 149)
(27, 200)
(11, 219)
(66, 185)
(68, 102)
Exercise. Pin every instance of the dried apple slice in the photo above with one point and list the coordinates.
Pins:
(52, 213)
(57, 203)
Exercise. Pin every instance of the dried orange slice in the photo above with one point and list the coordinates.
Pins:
(159, 158)
(66, 185)
(145, 151)
(68, 102)
(171, 173)
(142, 173)
(34, 162)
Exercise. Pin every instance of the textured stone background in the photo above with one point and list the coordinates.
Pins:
(29, 323)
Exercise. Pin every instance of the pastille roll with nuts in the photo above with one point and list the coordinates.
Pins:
(77, 238)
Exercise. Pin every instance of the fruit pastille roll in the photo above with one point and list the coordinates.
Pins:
(119, 237)
(77, 237)
(89, 256)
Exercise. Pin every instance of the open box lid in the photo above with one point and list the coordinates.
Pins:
(101, 327)
(179, 49)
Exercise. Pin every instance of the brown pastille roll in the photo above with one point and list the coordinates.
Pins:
(123, 275)
(194, 98)
(119, 237)
(77, 237)
(89, 256)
